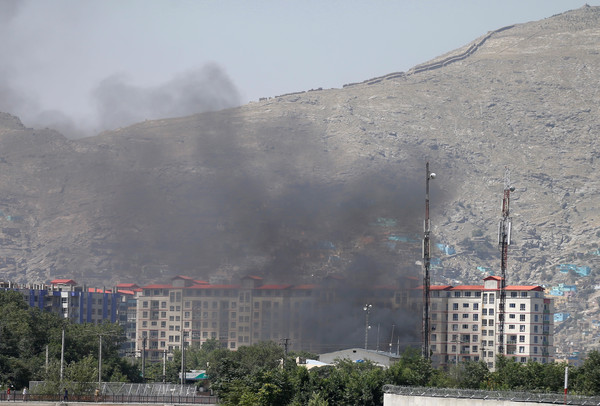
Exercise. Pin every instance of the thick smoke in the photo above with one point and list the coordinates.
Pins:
(267, 199)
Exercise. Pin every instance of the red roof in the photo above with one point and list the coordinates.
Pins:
(208, 286)
(63, 282)
(495, 277)
(524, 287)
(126, 292)
(467, 287)
(274, 287)
(438, 287)
(127, 285)
(305, 287)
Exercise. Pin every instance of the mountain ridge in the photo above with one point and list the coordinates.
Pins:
(303, 185)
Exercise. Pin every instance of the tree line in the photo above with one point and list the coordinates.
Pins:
(260, 374)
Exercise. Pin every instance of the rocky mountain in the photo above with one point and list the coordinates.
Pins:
(299, 186)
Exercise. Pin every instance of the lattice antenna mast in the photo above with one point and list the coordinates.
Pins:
(504, 230)
(426, 264)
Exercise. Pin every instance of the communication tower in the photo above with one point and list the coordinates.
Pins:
(504, 229)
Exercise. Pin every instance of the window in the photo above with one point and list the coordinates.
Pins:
(491, 298)
(522, 317)
(475, 338)
(484, 322)
(465, 305)
(455, 327)
(511, 316)
(465, 326)
(490, 322)
(522, 307)
(536, 307)
(485, 298)
(522, 329)
(466, 316)
(434, 337)
(523, 294)
(475, 317)
(512, 305)
(535, 339)
(521, 350)
(475, 306)
(484, 332)
(535, 317)
(484, 312)
(455, 317)
(454, 306)
(491, 312)
(456, 294)
(521, 339)
(535, 329)
(523, 360)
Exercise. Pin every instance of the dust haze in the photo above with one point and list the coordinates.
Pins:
(115, 101)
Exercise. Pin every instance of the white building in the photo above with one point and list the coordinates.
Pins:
(465, 323)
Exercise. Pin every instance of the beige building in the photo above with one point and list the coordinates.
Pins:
(465, 323)
(308, 317)
(243, 314)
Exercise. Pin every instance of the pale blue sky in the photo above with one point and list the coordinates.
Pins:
(56, 52)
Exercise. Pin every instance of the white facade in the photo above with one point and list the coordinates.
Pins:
(465, 323)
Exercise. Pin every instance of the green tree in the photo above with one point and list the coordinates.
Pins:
(586, 379)
(412, 370)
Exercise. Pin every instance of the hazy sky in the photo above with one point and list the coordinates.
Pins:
(98, 64)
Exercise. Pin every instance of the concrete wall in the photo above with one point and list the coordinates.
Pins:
(390, 399)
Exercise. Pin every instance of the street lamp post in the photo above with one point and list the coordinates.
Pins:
(367, 310)
(426, 267)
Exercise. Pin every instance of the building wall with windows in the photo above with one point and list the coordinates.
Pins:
(236, 315)
(465, 323)
(71, 301)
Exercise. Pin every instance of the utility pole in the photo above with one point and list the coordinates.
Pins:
(426, 265)
(100, 363)
(62, 354)
(182, 346)
(143, 358)
(504, 229)
(164, 366)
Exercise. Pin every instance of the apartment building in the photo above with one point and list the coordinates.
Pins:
(193, 311)
(70, 300)
(465, 323)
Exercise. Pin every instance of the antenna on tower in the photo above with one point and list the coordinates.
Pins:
(504, 229)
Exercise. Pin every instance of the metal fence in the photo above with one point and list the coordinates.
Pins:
(117, 392)
(514, 396)
(197, 400)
